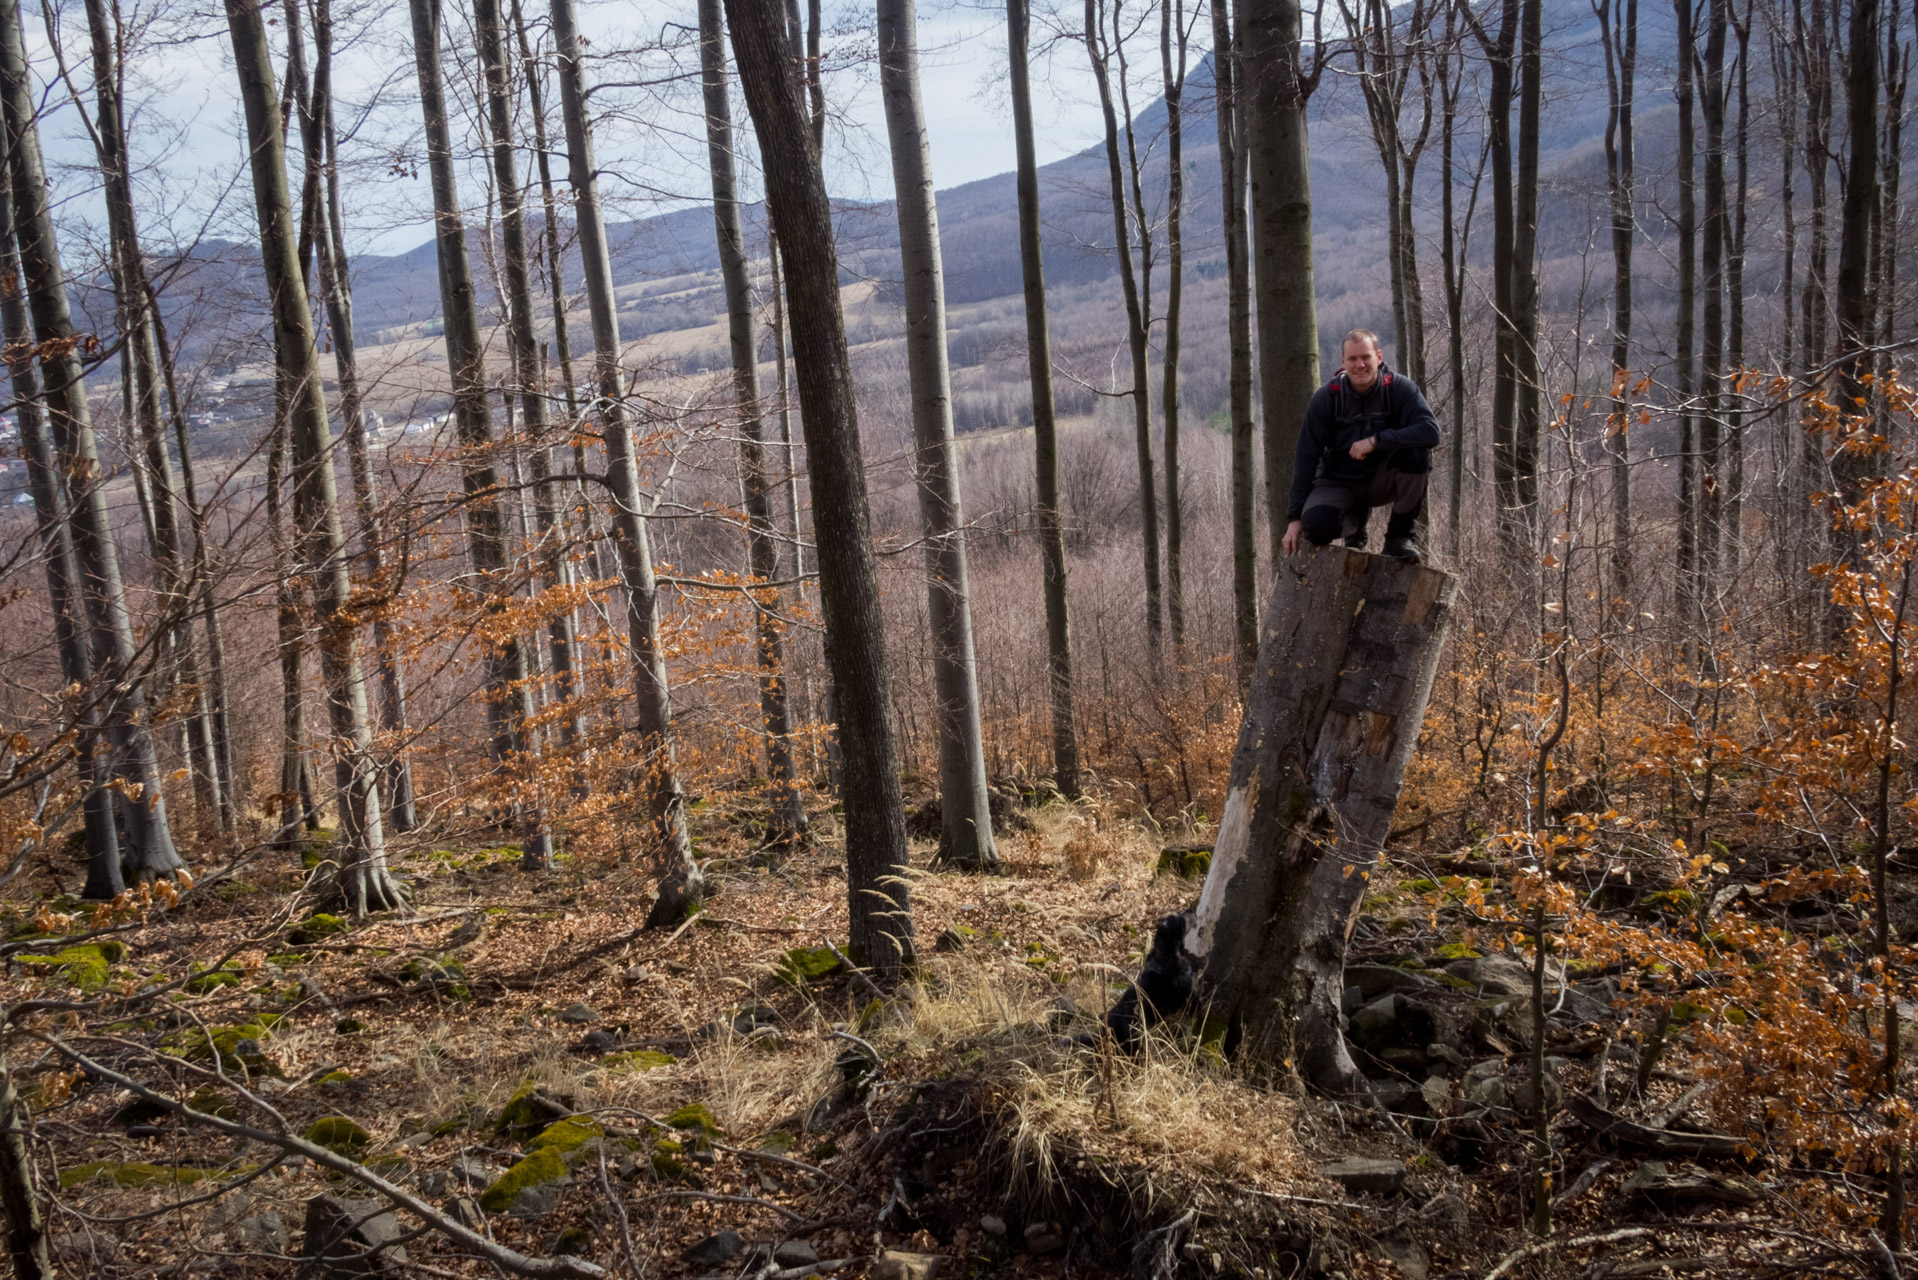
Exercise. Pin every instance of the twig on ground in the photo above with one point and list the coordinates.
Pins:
(1583, 1183)
(855, 970)
(498, 1255)
(1579, 1242)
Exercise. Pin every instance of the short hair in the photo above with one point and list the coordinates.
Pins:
(1362, 335)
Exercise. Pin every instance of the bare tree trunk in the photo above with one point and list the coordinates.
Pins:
(529, 383)
(325, 211)
(682, 886)
(290, 646)
(363, 882)
(1618, 30)
(1273, 91)
(179, 663)
(1732, 396)
(1855, 303)
(1045, 427)
(19, 1197)
(787, 821)
(1238, 284)
(1684, 381)
(965, 837)
(1711, 477)
(1452, 259)
(879, 903)
(1527, 386)
(1172, 30)
(148, 846)
(1136, 337)
(509, 706)
(1351, 647)
(52, 518)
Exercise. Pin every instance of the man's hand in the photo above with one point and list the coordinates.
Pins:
(1292, 532)
(1364, 447)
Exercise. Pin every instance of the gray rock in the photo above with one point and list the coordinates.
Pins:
(992, 1224)
(598, 1042)
(1376, 1023)
(578, 1011)
(747, 1021)
(1438, 1052)
(896, 1264)
(1404, 1057)
(1489, 1091)
(466, 1212)
(1504, 976)
(1351, 1000)
(714, 1250)
(538, 1199)
(434, 1182)
(472, 1171)
(350, 1238)
(1437, 1093)
(262, 1233)
(1399, 1245)
(1366, 1176)
(1375, 980)
(1044, 1237)
(795, 1253)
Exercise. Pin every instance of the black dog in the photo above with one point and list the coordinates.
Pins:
(1164, 987)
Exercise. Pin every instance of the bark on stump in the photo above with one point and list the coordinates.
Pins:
(1348, 653)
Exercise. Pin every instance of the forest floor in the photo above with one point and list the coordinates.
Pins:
(718, 1084)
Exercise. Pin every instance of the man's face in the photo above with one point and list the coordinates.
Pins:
(1361, 364)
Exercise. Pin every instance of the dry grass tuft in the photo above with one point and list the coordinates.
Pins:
(1171, 1116)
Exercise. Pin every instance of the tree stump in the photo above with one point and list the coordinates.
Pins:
(1349, 649)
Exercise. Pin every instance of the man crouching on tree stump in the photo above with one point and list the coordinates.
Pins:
(1366, 443)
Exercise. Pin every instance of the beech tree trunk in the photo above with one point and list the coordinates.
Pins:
(877, 892)
(1712, 254)
(965, 836)
(1685, 378)
(509, 694)
(147, 849)
(1136, 336)
(682, 886)
(1172, 33)
(52, 518)
(1346, 664)
(1274, 89)
(1618, 30)
(363, 882)
(1238, 285)
(529, 382)
(325, 210)
(1045, 427)
(787, 820)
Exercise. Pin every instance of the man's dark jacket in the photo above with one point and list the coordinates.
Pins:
(1392, 408)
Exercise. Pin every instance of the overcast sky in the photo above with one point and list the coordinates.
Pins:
(187, 129)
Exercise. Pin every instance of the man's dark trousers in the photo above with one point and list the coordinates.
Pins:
(1338, 509)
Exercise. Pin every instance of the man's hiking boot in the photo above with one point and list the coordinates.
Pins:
(1355, 543)
(1404, 547)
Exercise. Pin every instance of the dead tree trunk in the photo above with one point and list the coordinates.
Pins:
(682, 886)
(965, 837)
(1173, 31)
(1618, 30)
(363, 882)
(19, 1198)
(787, 821)
(148, 847)
(1045, 427)
(877, 893)
(1346, 663)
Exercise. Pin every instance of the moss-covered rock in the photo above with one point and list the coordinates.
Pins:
(1183, 862)
(340, 1136)
(531, 1186)
(568, 1135)
(209, 1101)
(213, 980)
(85, 967)
(288, 959)
(808, 964)
(637, 1060)
(667, 1166)
(132, 1175)
(520, 1115)
(695, 1117)
(235, 1047)
(315, 927)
